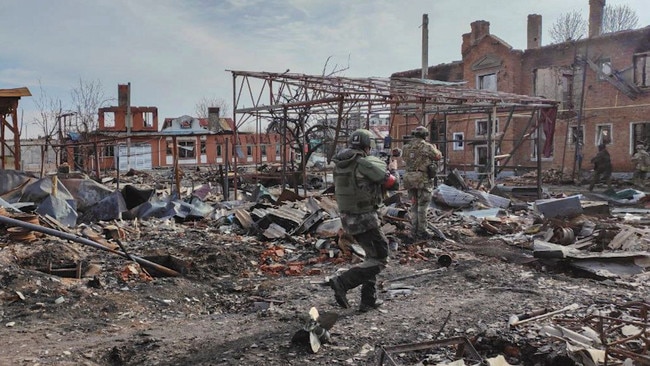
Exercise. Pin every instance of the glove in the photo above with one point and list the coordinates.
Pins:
(389, 182)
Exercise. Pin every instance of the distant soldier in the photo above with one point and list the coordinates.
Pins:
(421, 160)
(641, 159)
(602, 167)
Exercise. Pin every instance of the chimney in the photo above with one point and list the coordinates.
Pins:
(480, 29)
(213, 119)
(122, 95)
(534, 31)
(596, 11)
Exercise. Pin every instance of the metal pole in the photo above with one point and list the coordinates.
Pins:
(129, 123)
(539, 157)
(13, 222)
(425, 45)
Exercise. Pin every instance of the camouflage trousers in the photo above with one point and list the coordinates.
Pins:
(420, 200)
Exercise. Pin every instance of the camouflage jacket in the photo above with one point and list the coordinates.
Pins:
(418, 155)
(642, 160)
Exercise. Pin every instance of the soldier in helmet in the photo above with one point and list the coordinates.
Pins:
(602, 167)
(641, 160)
(358, 182)
(421, 160)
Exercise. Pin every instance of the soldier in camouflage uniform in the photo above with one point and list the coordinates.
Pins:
(421, 160)
(358, 180)
(641, 159)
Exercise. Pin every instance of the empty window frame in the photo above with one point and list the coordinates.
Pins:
(482, 127)
(487, 82)
(604, 134)
(147, 119)
(576, 134)
(109, 119)
(458, 140)
(642, 69)
(109, 150)
(639, 134)
(278, 152)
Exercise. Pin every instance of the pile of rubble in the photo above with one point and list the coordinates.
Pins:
(66, 226)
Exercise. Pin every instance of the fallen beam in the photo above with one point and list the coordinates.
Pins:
(84, 241)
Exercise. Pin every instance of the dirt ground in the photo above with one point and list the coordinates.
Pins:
(225, 311)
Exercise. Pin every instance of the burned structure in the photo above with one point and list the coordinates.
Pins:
(10, 130)
(307, 100)
(601, 83)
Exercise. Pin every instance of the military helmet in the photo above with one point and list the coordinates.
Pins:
(360, 139)
(420, 132)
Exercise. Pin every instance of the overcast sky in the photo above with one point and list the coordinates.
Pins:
(176, 52)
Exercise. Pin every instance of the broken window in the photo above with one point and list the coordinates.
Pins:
(186, 149)
(605, 67)
(219, 153)
(147, 119)
(203, 149)
(278, 154)
(459, 140)
(640, 134)
(642, 69)
(263, 152)
(481, 158)
(249, 152)
(482, 127)
(109, 150)
(604, 134)
(487, 82)
(576, 135)
(109, 119)
(533, 144)
(170, 148)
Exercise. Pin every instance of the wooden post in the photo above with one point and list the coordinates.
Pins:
(97, 167)
(55, 183)
(177, 175)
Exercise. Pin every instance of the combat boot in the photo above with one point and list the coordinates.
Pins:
(340, 293)
(369, 300)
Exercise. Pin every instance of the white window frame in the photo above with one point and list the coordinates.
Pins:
(147, 119)
(278, 152)
(487, 125)
(458, 145)
(598, 133)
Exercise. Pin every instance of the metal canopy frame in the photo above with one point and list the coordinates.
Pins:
(309, 97)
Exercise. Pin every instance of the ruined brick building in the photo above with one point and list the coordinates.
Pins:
(602, 82)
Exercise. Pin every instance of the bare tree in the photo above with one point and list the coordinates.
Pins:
(87, 98)
(201, 108)
(618, 18)
(572, 26)
(49, 109)
(568, 27)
